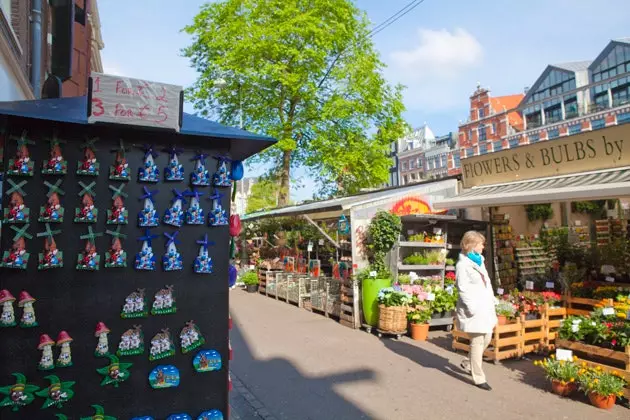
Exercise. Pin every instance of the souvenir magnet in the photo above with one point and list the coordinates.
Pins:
(200, 176)
(147, 217)
(207, 361)
(221, 177)
(131, 342)
(99, 414)
(88, 166)
(7, 319)
(89, 258)
(120, 170)
(161, 346)
(46, 362)
(143, 418)
(114, 373)
(181, 416)
(102, 347)
(17, 257)
(118, 214)
(21, 165)
(191, 337)
(203, 263)
(175, 170)
(194, 213)
(164, 302)
(135, 305)
(25, 302)
(57, 393)
(238, 171)
(17, 211)
(172, 260)
(164, 376)
(18, 395)
(149, 171)
(211, 415)
(51, 257)
(65, 356)
(56, 164)
(116, 257)
(87, 213)
(145, 259)
(52, 212)
(174, 215)
(217, 216)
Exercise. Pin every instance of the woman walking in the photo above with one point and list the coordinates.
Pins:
(475, 307)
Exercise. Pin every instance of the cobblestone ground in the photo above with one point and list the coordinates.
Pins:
(290, 364)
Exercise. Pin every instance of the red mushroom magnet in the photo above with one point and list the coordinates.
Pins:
(45, 345)
(7, 319)
(102, 348)
(26, 301)
(65, 357)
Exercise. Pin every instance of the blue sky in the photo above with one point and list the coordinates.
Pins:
(439, 51)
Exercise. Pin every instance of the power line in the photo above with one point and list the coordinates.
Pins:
(396, 16)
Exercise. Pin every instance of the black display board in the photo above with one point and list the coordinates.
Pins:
(75, 301)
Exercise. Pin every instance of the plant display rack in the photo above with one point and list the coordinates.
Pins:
(506, 273)
(602, 229)
(346, 315)
(582, 306)
(582, 234)
(506, 343)
(532, 260)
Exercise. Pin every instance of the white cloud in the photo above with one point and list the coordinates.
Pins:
(113, 69)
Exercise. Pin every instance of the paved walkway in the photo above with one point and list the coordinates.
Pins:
(300, 365)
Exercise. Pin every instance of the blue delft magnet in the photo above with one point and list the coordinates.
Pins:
(87, 213)
(211, 415)
(164, 376)
(149, 172)
(194, 213)
(147, 217)
(174, 215)
(175, 170)
(207, 361)
(221, 177)
(203, 262)
(118, 214)
(17, 212)
(22, 164)
(180, 416)
(200, 176)
(143, 418)
(145, 259)
(217, 216)
(172, 260)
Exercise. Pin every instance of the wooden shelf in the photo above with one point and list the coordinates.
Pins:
(405, 267)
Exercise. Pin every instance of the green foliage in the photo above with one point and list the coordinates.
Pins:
(560, 370)
(539, 212)
(594, 208)
(444, 301)
(249, 278)
(383, 232)
(264, 195)
(305, 72)
(602, 383)
(392, 297)
(505, 309)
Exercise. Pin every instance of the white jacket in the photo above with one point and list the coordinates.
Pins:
(475, 306)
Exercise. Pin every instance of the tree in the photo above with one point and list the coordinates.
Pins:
(264, 195)
(305, 72)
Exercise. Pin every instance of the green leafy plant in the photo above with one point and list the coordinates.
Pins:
(594, 208)
(418, 313)
(404, 279)
(601, 382)
(249, 278)
(444, 301)
(383, 232)
(560, 370)
(505, 309)
(539, 212)
(390, 296)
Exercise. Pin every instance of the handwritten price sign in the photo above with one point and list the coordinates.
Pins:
(123, 100)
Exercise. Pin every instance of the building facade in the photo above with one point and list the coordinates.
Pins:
(426, 159)
(402, 151)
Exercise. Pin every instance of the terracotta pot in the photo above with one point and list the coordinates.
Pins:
(419, 332)
(563, 390)
(502, 319)
(600, 401)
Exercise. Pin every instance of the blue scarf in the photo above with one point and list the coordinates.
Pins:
(474, 257)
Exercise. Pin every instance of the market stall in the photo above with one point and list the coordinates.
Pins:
(115, 254)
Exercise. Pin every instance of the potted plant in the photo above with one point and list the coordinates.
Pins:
(392, 305)
(602, 388)
(562, 374)
(443, 305)
(250, 279)
(419, 316)
(383, 232)
(505, 311)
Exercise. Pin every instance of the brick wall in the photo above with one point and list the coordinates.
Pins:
(82, 38)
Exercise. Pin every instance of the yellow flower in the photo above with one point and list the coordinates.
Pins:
(553, 356)
(572, 379)
(563, 383)
(615, 373)
(583, 364)
(575, 358)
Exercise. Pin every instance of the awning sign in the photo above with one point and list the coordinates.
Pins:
(411, 205)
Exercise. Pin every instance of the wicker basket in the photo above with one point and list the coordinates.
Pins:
(392, 318)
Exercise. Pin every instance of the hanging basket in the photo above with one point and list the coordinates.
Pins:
(392, 318)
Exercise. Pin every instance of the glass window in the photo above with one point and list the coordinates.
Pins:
(570, 107)
(533, 137)
(483, 148)
(533, 120)
(470, 152)
(575, 128)
(404, 180)
(404, 166)
(514, 142)
(623, 118)
(494, 128)
(597, 124)
(553, 133)
(444, 163)
(411, 164)
(553, 114)
(497, 145)
(481, 112)
(469, 135)
(481, 132)
(457, 159)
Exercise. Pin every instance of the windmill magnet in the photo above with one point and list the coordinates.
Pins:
(57, 393)
(118, 214)
(65, 355)
(135, 305)
(46, 361)
(17, 257)
(102, 346)
(115, 373)
(217, 216)
(17, 212)
(88, 166)
(89, 258)
(99, 414)
(172, 260)
(191, 337)
(21, 164)
(7, 316)
(131, 342)
(174, 215)
(88, 213)
(179, 416)
(164, 302)
(194, 213)
(221, 177)
(211, 415)
(51, 257)
(175, 170)
(200, 176)
(164, 376)
(56, 164)
(145, 259)
(161, 346)
(116, 257)
(148, 217)
(119, 171)
(203, 263)
(207, 361)
(18, 395)
(26, 302)
(149, 172)
(52, 212)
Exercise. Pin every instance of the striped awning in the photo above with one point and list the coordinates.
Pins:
(596, 185)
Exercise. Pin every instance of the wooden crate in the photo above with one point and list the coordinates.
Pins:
(506, 342)
(553, 320)
(582, 306)
(532, 335)
(346, 315)
(262, 282)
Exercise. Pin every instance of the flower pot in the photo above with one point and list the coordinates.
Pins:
(563, 390)
(252, 288)
(369, 297)
(600, 401)
(419, 332)
(502, 319)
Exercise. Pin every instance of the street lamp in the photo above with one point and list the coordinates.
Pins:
(222, 84)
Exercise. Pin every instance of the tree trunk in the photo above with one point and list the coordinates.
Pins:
(285, 181)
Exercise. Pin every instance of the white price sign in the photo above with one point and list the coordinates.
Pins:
(610, 279)
(549, 285)
(431, 296)
(310, 247)
(321, 242)
(563, 354)
(529, 285)
(500, 291)
(608, 311)
(372, 273)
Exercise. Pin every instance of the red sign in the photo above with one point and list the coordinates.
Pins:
(412, 205)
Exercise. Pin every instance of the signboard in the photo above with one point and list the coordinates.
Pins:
(412, 205)
(601, 149)
(123, 100)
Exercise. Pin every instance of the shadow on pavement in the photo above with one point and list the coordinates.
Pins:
(286, 393)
